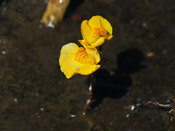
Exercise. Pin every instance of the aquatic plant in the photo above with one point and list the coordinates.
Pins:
(85, 60)
(78, 60)
(95, 31)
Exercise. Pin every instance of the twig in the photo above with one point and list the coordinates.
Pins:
(157, 104)
(173, 107)
(170, 104)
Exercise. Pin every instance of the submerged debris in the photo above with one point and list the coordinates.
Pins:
(3, 52)
(72, 115)
(54, 12)
(132, 108)
(15, 100)
(150, 54)
(127, 115)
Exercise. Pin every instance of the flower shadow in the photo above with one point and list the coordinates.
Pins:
(114, 85)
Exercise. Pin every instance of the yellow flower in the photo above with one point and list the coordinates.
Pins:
(95, 31)
(78, 60)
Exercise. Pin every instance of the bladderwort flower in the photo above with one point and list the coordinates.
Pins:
(85, 60)
(95, 31)
(78, 60)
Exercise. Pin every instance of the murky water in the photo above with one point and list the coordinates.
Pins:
(139, 67)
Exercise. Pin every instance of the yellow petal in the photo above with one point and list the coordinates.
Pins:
(95, 31)
(75, 60)
(71, 48)
(95, 21)
(99, 21)
(87, 69)
(107, 26)
(85, 44)
(66, 60)
(99, 42)
(91, 50)
(94, 53)
(87, 32)
(109, 37)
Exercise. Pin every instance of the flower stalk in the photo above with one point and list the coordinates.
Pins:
(89, 95)
(90, 89)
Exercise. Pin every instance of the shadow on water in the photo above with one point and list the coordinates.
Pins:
(115, 85)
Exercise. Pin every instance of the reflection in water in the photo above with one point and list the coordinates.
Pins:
(115, 86)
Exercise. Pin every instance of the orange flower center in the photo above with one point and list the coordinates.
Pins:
(100, 31)
(83, 57)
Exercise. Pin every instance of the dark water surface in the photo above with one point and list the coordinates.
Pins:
(139, 67)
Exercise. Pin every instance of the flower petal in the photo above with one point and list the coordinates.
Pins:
(106, 25)
(66, 60)
(109, 37)
(87, 32)
(94, 53)
(91, 50)
(99, 21)
(99, 42)
(70, 66)
(95, 31)
(95, 21)
(87, 69)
